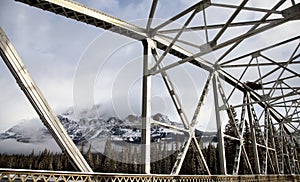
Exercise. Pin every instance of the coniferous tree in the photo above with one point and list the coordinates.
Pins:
(82, 148)
(89, 157)
(113, 162)
(166, 162)
(30, 161)
(249, 148)
(160, 163)
(42, 161)
(121, 161)
(97, 162)
(154, 158)
(188, 166)
(230, 147)
(212, 158)
(10, 162)
(107, 154)
(59, 163)
(136, 160)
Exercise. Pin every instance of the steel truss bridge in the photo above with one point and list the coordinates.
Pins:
(250, 88)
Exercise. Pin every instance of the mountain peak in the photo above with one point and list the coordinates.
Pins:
(88, 128)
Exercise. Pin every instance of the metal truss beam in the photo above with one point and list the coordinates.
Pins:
(257, 52)
(259, 64)
(74, 10)
(253, 136)
(138, 33)
(253, 28)
(151, 15)
(188, 21)
(171, 90)
(256, 97)
(217, 26)
(198, 7)
(229, 21)
(39, 103)
(238, 132)
(220, 132)
(214, 46)
(246, 8)
(146, 106)
(155, 38)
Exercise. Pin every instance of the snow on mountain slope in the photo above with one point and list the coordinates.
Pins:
(86, 127)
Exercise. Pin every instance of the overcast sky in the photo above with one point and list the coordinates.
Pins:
(51, 47)
(59, 52)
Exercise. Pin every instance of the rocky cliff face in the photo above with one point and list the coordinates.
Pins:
(87, 127)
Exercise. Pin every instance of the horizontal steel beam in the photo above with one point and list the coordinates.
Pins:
(41, 175)
(259, 64)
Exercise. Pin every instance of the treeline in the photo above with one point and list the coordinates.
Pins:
(279, 158)
(44, 160)
(115, 161)
(163, 156)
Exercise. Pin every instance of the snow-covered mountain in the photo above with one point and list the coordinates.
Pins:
(85, 129)
(87, 126)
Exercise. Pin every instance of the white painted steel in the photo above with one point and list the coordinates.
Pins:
(38, 101)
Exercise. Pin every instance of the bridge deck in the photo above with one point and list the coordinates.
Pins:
(38, 175)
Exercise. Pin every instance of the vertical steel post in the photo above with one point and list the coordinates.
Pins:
(146, 106)
(221, 147)
(253, 135)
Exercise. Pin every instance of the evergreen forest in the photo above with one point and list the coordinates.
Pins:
(163, 157)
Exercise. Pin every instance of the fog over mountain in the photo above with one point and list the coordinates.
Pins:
(87, 127)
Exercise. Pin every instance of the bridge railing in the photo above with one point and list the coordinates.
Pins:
(60, 176)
